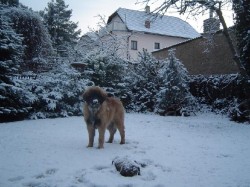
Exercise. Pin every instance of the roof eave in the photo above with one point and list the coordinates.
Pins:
(159, 34)
(111, 17)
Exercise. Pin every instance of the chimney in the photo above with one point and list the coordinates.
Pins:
(147, 9)
(211, 25)
(211, 12)
(147, 24)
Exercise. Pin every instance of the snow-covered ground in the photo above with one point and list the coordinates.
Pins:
(205, 150)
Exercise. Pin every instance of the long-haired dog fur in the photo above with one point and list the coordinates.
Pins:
(102, 112)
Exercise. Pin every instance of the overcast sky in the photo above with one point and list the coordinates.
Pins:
(85, 12)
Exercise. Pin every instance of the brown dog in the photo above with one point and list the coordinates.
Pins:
(102, 112)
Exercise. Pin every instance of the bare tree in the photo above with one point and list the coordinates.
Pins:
(109, 41)
(195, 8)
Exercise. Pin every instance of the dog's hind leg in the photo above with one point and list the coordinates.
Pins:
(112, 130)
(121, 129)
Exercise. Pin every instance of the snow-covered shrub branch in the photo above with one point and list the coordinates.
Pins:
(56, 93)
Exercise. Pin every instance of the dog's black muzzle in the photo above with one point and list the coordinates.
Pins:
(94, 103)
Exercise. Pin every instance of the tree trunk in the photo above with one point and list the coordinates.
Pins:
(231, 45)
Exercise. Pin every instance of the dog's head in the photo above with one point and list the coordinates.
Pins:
(94, 96)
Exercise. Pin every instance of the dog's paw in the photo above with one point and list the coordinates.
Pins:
(122, 142)
(109, 141)
(89, 146)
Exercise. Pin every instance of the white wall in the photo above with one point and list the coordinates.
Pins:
(144, 41)
(147, 41)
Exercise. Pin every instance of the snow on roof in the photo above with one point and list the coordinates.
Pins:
(91, 35)
(163, 25)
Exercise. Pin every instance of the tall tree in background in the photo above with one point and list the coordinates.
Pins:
(242, 11)
(196, 8)
(63, 31)
(11, 49)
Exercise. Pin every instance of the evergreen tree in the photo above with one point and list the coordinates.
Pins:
(11, 51)
(242, 11)
(10, 2)
(63, 31)
(144, 83)
(106, 71)
(174, 97)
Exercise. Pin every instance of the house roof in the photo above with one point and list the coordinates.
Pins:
(163, 25)
(91, 35)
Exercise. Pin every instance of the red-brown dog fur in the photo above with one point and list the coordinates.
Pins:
(109, 114)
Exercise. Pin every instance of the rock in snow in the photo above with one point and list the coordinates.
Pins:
(126, 166)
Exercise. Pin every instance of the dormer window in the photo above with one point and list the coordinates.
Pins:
(147, 24)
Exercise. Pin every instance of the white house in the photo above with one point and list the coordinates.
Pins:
(144, 30)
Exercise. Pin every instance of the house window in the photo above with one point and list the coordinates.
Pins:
(157, 45)
(133, 45)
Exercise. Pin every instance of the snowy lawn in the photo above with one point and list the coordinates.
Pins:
(204, 150)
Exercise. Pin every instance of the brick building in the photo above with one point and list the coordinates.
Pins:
(208, 54)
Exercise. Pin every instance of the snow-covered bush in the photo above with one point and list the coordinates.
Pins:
(32, 85)
(211, 88)
(240, 112)
(222, 93)
(160, 86)
(56, 93)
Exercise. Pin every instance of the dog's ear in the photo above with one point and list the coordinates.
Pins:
(85, 95)
(104, 95)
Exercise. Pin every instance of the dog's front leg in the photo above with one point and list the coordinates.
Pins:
(91, 131)
(101, 136)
